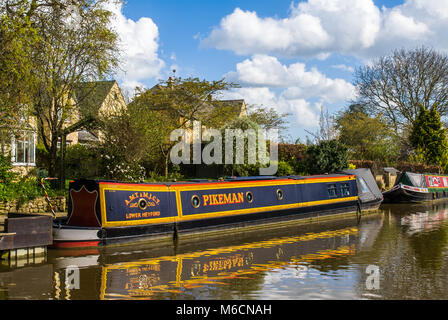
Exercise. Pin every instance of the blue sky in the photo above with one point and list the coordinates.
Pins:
(294, 56)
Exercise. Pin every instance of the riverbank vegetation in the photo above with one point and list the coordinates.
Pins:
(396, 118)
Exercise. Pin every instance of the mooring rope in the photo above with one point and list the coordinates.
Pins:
(46, 194)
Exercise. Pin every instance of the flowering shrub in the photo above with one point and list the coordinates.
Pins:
(115, 166)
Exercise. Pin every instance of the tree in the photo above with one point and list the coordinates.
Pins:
(123, 148)
(175, 104)
(428, 138)
(326, 157)
(326, 130)
(268, 118)
(17, 36)
(244, 161)
(395, 85)
(76, 44)
(367, 138)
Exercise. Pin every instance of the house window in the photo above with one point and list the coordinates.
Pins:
(345, 189)
(332, 191)
(67, 143)
(24, 149)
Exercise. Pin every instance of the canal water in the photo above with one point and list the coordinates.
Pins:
(399, 252)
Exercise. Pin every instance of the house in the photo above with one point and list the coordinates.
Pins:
(100, 98)
(21, 145)
(233, 108)
(238, 105)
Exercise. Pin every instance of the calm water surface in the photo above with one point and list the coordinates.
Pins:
(400, 252)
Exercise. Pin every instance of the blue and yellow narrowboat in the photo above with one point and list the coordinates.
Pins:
(105, 212)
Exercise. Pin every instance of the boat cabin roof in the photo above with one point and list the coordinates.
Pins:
(229, 179)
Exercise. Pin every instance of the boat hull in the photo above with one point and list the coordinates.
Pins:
(404, 193)
(410, 194)
(67, 236)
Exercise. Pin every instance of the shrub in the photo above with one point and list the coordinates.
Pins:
(42, 156)
(291, 152)
(284, 169)
(6, 173)
(81, 161)
(26, 189)
(428, 138)
(115, 165)
(326, 157)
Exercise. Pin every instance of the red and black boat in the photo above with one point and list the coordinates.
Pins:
(105, 212)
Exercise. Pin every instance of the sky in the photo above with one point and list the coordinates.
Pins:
(294, 56)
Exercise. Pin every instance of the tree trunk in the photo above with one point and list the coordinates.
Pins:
(53, 156)
(166, 165)
(62, 170)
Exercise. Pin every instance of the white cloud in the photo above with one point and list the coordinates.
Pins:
(244, 32)
(139, 44)
(397, 25)
(436, 8)
(299, 83)
(351, 23)
(317, 28)
(305, 114)
(343, 67)
(290, 88)
(313, 28)
(261, 96)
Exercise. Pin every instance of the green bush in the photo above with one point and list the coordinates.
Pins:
(42, 156)
(6, 173)
(428, 138)
(326, 157)
(284, 169)
(24, 190)
(81, 162)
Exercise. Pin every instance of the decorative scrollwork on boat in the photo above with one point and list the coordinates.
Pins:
(142, 203)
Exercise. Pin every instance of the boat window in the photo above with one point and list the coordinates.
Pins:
(345, 189)
(195, 201)
(332, 192)
(249, 196)
(363, 184)
(279, 194)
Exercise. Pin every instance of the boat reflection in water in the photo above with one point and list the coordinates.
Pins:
(424, 221)
(183, 272)
(221, 268)
(406, 244)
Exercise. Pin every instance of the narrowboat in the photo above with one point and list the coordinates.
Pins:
(416, 187)
(105, 212)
